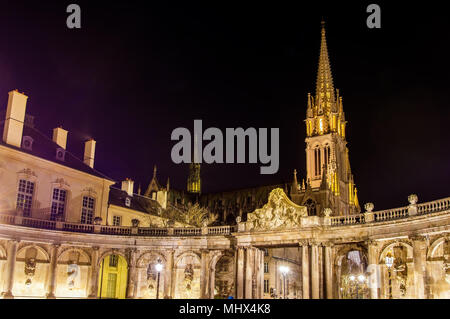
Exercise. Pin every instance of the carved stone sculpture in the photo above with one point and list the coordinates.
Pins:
(188, 276)
(279, 213)
(30, 269)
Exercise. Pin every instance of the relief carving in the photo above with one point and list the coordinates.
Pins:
(279, 213)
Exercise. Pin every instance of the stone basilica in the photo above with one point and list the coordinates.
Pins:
(66, 231)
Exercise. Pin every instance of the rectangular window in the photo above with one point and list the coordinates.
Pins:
(25, 197)
(266, 267)
(113, 260)
(87, 211)
(111, 286)
(266, 286)
(266, 252)
(117, 220)
(58, 204)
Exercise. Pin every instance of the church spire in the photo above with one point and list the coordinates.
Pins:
(325, 97)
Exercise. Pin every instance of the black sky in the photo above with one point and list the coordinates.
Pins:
(136, 71)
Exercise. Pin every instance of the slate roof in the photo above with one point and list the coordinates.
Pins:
(137, 202)
(44, 147)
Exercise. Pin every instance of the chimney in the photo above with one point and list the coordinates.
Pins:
(15, 116)
(127, 186)
(60, 136)
(89, 152)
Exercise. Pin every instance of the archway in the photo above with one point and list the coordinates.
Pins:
(224, 277)
(30, 274)
(148, 276)
(401, 285)
(187, 277)
(438, 264)
(72, 273)
(352, 274)
(113, 277)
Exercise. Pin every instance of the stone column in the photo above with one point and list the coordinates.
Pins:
(261, 274)
(373, 268)
(328, 260)
(315, 286)
(259, 259)
(131, 287)
(168, 274)
(51, 288)
(12, 253)
(305, 270)
(93, 284)
(419, 257)
(204, 274)
(240, 273)
(249, 264)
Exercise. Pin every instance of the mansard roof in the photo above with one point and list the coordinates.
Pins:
(44, 147)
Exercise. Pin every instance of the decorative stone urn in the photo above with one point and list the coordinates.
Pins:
(369, 207)
(368, 214)
(327, 212)
(413, 199)
(412, 208)
(135, 222)
(98, 220)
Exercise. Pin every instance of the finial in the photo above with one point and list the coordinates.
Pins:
(154, 171)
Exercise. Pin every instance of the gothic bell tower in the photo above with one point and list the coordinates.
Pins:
(327, 159)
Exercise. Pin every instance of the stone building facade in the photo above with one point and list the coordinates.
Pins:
(66, 230)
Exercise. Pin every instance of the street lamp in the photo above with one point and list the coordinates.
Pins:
(389, 261)
(284, 271)
(158, 268)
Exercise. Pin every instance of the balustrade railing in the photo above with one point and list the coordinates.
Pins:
(188, 231)
(380, 216)
(390, 214)
(347, 220)
(434, 206)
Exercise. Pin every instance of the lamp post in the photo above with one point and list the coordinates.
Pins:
(158, 268)
(284, 271)
(389, 261)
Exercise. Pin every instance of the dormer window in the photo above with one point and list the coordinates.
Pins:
(60, 154)
(127, 202)
(27, 143)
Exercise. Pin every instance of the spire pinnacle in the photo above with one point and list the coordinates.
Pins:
(325, 95)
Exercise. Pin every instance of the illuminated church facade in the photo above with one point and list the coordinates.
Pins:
(67, 232)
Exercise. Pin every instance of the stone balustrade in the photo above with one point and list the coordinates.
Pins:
(333, 221)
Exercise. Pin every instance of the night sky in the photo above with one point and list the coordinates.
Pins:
(134, 72)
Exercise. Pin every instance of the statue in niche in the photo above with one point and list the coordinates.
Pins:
(151, 277)
(30, 265)
(401, 268)
(188, 276)
(73, 270)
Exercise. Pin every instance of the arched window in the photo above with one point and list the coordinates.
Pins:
(311, 206)
(317, 160)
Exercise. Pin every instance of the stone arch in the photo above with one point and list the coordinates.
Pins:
(112, 274)
(3, 254)
(221, 280)
(77, 249)
(39, 249)
(187, 275)
(142, 256)
(185, 254)
(402, 274)
(341, 252)
(146, 276)
(434, 246)
(389, 245)
(111, 252)
(73, 275)
(31, 271)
